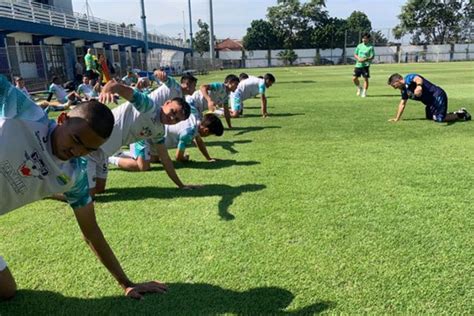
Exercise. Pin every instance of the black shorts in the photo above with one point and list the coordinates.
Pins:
(364, 72)
(92, 75)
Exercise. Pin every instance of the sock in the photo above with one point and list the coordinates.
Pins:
(114, 160)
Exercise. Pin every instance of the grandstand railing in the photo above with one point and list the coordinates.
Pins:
(41, 13)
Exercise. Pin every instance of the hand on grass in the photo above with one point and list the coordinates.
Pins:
(137, 290)
(393, 119)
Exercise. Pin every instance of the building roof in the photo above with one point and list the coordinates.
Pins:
(230, 45)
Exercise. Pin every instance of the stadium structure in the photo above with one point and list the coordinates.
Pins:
(41, 38)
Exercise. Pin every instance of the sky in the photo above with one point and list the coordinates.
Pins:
(231, 17)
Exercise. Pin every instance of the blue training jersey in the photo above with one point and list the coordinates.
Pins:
(429, 90)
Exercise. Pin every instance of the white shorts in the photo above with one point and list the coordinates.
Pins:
(3, 264)
(97, 167)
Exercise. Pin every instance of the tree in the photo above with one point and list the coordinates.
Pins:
(201, 39)
(288, 56)
(261, 35)
(357, 24)
(330, 35)
(436, 22)
(293, 22)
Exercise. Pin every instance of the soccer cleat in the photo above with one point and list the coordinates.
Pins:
(467, 116)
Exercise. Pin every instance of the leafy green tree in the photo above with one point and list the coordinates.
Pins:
(293, 22)
(288, 56)
(201, 39)
(436, 22)
(357, 24)
(261, 35)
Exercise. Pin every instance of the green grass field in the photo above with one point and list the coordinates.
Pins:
(323, 207)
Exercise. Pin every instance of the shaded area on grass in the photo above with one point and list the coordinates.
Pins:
(249, 129)
(228, 145)
(181, 299)
(296, 81)
(271, 114)
(226, 192)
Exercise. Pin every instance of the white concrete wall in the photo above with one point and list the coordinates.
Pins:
(54, 40)
(21, 37)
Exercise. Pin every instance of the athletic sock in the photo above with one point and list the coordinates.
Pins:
(114, 160)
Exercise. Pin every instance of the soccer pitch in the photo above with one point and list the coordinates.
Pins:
(325, 206)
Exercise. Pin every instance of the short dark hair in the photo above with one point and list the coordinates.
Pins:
(184, 105)
(269, 76)
(188, 77)
(97, 115)
(243, 76)
(54, 79)
(213, 123)
(393, 78)
(18, 78)
(366, 34)
(230, 78)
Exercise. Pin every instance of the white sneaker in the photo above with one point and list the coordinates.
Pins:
(363, 93)
(359, 91)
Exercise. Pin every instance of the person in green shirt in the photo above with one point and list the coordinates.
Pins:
(364, 54)
(91, 65)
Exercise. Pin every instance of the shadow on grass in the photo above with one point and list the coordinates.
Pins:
(383, 96)
(181, 299)
(272, 114)
(227, 194)
(249, 129)
(219, 164)
(296, 81)
(228, 145)
(431, 121)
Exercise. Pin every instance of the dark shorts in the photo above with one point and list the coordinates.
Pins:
(364, 72)
(438, 110)
(92, 75)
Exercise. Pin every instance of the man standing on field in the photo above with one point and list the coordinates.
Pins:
(364, 54)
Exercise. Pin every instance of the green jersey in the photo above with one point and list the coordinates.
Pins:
(364, 51)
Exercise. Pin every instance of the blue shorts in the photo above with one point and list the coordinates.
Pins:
(438, 110)
(140, 149)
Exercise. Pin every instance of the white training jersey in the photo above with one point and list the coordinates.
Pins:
(169, 90)
(181, 134)
(61, 94)
(134, 121)
(29, 171)
(250, 87)
(218, 94)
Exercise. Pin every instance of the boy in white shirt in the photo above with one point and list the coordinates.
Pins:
(43, 158)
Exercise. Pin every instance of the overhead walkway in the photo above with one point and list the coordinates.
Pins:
(44, 20)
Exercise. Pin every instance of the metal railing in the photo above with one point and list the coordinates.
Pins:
(41, 13)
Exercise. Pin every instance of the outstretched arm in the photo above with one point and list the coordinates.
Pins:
(264, 105)
(169, 167)
(202, 148)
(401, 107)
(94, 238)
(204, 91)
(227, 115)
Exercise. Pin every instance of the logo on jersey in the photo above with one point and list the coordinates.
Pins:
(146, 132)
(13, 178)
(33, 166)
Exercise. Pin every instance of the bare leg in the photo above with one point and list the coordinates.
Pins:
(356, 82)
(131, 164)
